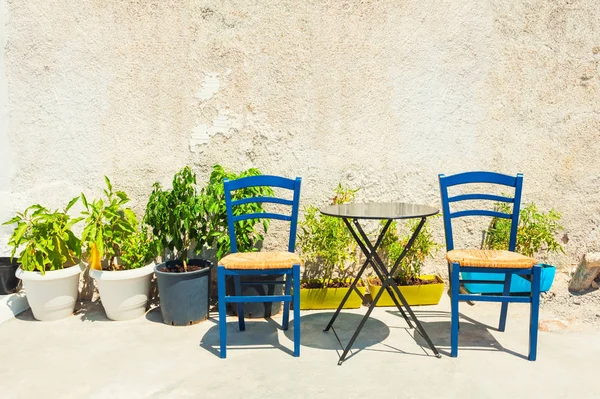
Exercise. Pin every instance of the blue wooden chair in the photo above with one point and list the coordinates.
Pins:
(238, 264)
(505, 262)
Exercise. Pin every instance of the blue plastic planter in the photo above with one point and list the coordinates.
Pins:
(517, 284)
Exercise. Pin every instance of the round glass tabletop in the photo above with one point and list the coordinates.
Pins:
(379, 210)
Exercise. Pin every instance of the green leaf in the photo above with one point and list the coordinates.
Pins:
(84, 200)
(122, 196)
(13, 220)
(18, 233)
(108, 184)
(71, 203)
(37, 209)
(100, 243)
(73, 221)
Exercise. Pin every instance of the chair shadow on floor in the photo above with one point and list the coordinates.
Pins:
(264, 333)
(473, 336)
(260, 333)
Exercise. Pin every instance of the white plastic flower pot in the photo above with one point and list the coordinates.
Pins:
(124, 293)
(51, 296)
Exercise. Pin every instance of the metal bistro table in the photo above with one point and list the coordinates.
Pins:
(380, 211)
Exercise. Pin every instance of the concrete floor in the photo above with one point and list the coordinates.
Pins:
(87, 356)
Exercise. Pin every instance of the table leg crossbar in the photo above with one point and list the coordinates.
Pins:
(387, 282)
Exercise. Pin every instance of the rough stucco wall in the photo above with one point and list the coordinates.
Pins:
(381, 95)
(7, 166)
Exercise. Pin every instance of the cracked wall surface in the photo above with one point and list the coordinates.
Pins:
(381, 95)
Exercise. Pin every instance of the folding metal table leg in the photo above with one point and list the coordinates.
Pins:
(350, 290)
(382, 277)
(388, 284)
(377, 263)
(370, 252)
(360, 327)
(360, 272)
(420, 328)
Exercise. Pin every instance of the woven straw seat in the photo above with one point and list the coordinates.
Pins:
(490, 258)
(260, 260)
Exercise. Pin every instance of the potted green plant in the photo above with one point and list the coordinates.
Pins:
(536, 232)
(417, 288)
(119, 254)
(330, 255)
(178, 220)
(50, 265)
(248, 236)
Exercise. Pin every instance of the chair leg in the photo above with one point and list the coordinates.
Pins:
(296, 280)
(454, 309)
(535, 309)
(222, 311)
(286, 304)
(240, 306)
(504, 308)
(450, 277)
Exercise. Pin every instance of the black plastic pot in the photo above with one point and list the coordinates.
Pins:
(8, 280)
(258, 309)
(184, 297)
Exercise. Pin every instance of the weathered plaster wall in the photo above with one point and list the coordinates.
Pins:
(7, 160)
(383, 95)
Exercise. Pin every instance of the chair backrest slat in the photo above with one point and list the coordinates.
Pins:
(480, 212)
(493, 178)
(271, 200)
(480, 177)
(262, 181)
(489, 197)
(262, 215)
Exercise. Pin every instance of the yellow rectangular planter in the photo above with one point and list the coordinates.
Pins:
(427, 294)
(329, 298)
